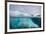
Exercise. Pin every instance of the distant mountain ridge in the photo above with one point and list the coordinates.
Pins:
(22, 14)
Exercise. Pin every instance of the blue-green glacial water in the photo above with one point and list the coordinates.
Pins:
(26, 22)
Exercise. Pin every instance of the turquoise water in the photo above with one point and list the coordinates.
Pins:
(22, 23)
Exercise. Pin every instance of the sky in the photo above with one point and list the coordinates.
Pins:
(29, 9)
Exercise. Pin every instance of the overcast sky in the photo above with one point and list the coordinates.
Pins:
(26, 9)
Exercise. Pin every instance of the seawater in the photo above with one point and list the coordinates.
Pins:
(24, 22)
